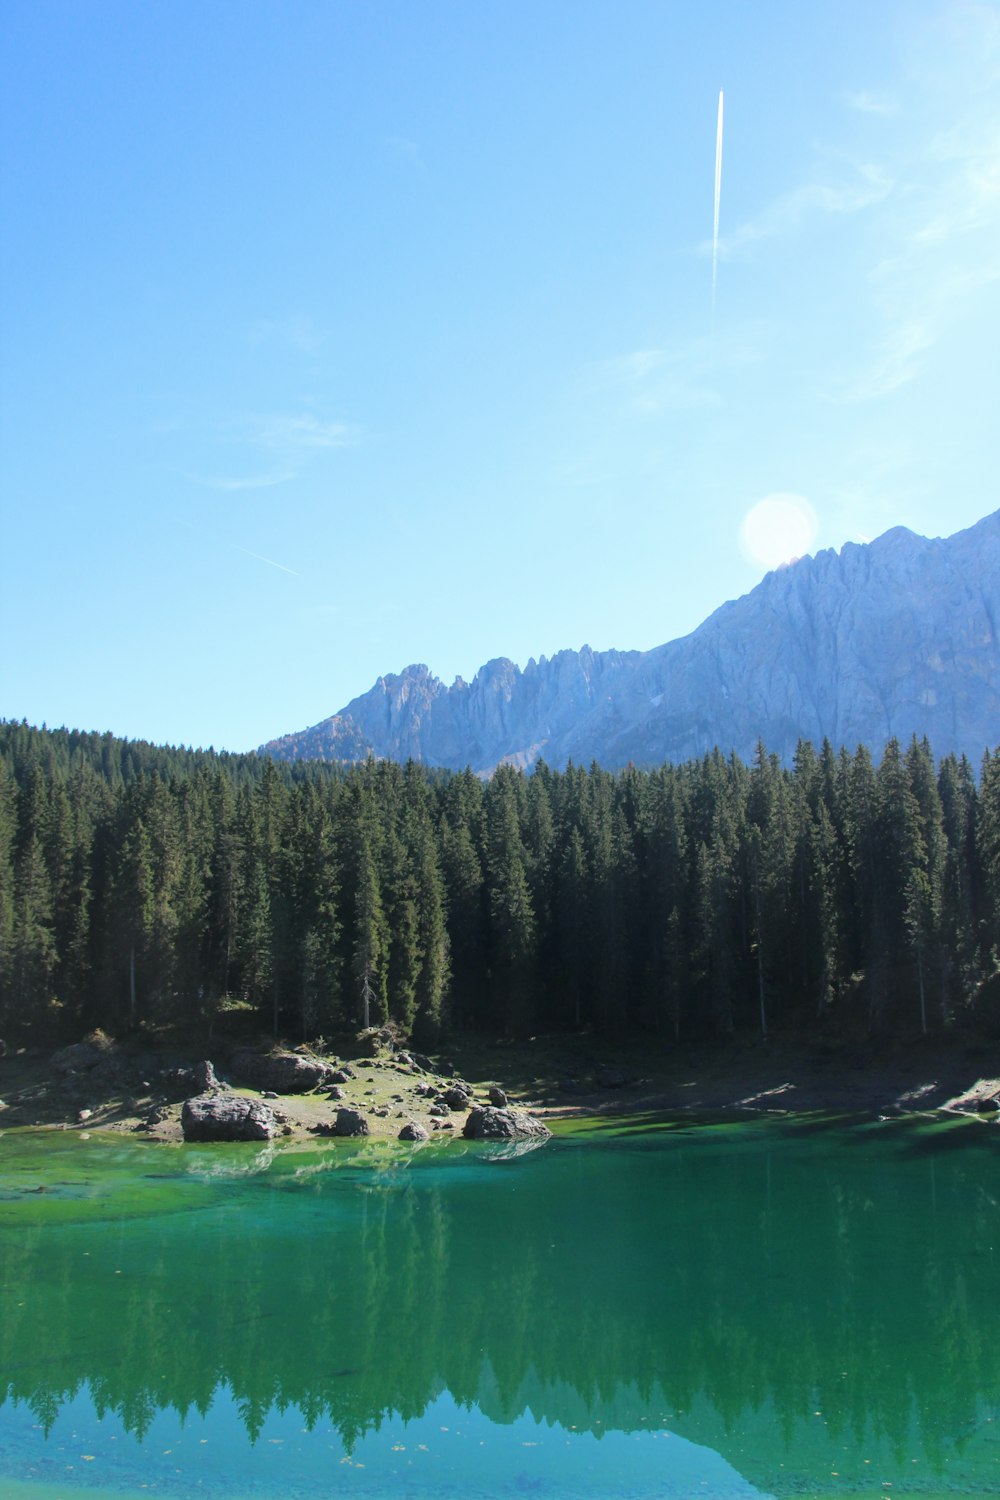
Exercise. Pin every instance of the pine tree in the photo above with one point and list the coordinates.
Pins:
(432, 982)
(988, 858)
(8, 829)
(370, 939)
(512, 928)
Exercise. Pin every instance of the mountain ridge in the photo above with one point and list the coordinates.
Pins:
(891, 637)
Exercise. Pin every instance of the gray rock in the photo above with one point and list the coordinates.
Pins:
(285, 1072)
(336, 1093)
(456, 1098)
(78, 1058)
(203, 1077)
(227, 1117)
(488, 1124)
(342, 1075)
(413, 1131)
(351, 1122)
(497, 1097)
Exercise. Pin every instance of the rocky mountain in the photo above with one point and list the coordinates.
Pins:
(895, 637)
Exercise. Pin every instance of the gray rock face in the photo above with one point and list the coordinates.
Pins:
(488, 1124)
(285, 1072)
(227, 1117)
(896, 637)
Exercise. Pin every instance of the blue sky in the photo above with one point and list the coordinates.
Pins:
(337, 336)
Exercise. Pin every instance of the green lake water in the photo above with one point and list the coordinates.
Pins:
(781, 1307)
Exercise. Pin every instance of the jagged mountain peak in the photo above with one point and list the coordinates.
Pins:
(891, 637)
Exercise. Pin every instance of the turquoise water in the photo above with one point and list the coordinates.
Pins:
(784, 1307)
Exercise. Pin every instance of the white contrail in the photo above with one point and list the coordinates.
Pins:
(269, 560)
(718, 194)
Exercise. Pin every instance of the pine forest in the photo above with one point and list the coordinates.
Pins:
(149, 887)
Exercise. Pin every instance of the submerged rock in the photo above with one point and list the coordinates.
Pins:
(227, 1117)
(486, 1123)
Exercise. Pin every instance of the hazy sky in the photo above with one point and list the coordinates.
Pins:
(338, 336)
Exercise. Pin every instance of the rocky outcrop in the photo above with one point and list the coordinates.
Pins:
(895, 637)
(486, 1123)
(284, 1072)
(227, 1117)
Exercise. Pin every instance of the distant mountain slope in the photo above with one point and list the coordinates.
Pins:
(895, 637)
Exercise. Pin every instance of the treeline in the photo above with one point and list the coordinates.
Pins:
(142, 885)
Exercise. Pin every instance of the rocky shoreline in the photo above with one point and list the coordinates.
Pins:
(258, 1093)
(385, 1090)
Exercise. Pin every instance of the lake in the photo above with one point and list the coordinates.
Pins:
(783, 1306)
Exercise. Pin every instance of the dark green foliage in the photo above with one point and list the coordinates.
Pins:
(146, 886)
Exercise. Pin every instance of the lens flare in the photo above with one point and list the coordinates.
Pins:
(777, 530)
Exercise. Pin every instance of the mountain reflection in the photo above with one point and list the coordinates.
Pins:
(711, 1286)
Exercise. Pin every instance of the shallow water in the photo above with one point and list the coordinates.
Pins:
(785, 1307)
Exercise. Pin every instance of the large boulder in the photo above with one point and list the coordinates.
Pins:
(351, 1122)
(227, 1117)
(80, 1057)
(413, 1131)
(285, 1072)
(486, 1123)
